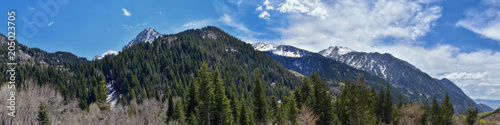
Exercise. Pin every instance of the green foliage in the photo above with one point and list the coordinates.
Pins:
(43, 115)
(259, 100)
(291, 109)
(446, 112)
(434, 112)
(178, 113)
(471, 115)
(170, 110)
(222, 112)
(244, 119)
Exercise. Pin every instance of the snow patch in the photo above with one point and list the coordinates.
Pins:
(280, 52)
(264, 46)
(335, 51)
(111, 99)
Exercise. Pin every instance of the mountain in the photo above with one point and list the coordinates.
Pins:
(304, 62)
(410, 80)
(147, 35)
(109, 52)
(492, 103)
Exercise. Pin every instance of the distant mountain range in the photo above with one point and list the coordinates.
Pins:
(408, 79)
(495, 104)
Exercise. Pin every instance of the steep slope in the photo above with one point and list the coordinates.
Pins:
(165, 65)
(147, 35)
(407, 78)
(304, 62)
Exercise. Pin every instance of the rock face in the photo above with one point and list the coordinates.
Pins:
(147, 35)
(410, 80)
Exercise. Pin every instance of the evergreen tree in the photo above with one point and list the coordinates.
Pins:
(400, 101)
(259, 100)
(235, 107)
(178, 113)
(205, 95)
(221, 112)
(388, 108)
(434, 112)
(323, 100)
(244, 119)
(446, 111)
(471, 114)
(291, 109)
(192, 119)
(170, 109)
(43, 115)
(192, 97)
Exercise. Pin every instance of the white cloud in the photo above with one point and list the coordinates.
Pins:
(270, 8)
(484, 22)
(264, 15)
(198, 23)
(125, 12)
(313, 8)
(258, 8)
(228, 20)
(50, 23)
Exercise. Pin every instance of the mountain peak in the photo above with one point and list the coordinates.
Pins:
(147, 35)
(261, 46)
(335, 51)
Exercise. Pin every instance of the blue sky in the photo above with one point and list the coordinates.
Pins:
(455, 39)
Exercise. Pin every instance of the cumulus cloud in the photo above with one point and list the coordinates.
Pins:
(264, 15)
(125, 12)
(359, 24)
(484, 22)
(313, 8)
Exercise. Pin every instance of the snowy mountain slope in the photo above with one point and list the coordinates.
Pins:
(147, 35)
(407, 78)
(281, 50)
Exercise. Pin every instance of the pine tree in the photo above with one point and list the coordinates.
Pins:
(388, 108)
(192, 97)
(192, 119)
(221, 112)
(178, 113)
(446, 111)
(259, 100)
(244, 119)
(400, 101)
(170, 109)
(471, 114)
(434, 112)
(235, 107)
(291, 109)
(205, 95)
(43, 115)
(323, 100)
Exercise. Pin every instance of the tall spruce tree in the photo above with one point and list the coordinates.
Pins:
(170, 109)
(323, 100)
(446, 111)
(244, 119)
(221, 105)
(43, 115)
(259, 100)
(291, 109)
(192, 97)
(388, 106)
(434, 112)
(471, 115)
(235, 106)
(205, 95)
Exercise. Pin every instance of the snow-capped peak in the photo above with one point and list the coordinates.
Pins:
(335, 51)
(260, 46)
(109, 52)
(147, 35)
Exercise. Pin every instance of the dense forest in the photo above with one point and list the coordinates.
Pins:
(206, 76)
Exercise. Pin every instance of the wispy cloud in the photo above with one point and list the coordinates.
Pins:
(125, 12)
(228, 20)
(198, 23)
(484, 21)
(50, 23)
